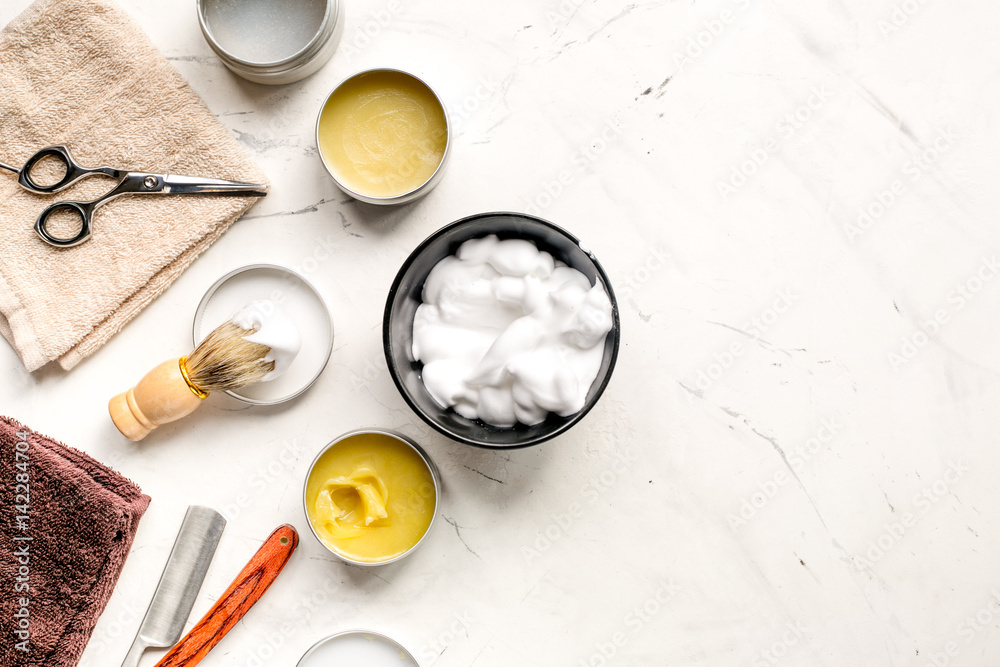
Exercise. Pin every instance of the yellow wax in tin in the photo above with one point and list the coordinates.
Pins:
(370, 497)
(382, 133)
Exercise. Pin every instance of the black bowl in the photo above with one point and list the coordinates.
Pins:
(405, 296)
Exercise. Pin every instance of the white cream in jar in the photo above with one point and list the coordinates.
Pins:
(270, 327)
(508, 334)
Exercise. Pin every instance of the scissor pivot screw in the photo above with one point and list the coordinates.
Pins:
(149, 182)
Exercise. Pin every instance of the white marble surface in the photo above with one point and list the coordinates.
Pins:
(764, 482)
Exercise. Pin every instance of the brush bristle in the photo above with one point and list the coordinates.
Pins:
(225, 361)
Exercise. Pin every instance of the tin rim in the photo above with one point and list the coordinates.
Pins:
(314, 44)
(416, 192)
(424, 456)
(203, 304)
(357, 631)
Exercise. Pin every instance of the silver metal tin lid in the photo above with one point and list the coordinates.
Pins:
(272, 41)
(298, 299)
(405, 197)
(358, 647)
(435, 475)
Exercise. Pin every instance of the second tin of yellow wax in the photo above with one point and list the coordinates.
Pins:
(371, 496)
(383, 135)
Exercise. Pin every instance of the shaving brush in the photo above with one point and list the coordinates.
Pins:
(225, 360)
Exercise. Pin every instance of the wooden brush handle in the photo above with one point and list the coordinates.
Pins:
(245, 590)
(162, 396)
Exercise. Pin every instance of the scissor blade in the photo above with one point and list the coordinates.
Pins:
(194, 185)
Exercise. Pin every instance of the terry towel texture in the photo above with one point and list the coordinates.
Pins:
(68, 524)
(81, 73)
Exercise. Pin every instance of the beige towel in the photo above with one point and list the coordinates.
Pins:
(81, 73)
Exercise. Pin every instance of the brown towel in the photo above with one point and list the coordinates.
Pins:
(68, 524)
(81, 73)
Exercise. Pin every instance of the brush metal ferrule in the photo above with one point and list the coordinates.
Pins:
(182, 362)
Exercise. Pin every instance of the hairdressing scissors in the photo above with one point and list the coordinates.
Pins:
(129, 183)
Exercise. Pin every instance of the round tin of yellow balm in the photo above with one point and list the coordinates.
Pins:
(383, 136)
(371, 496)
